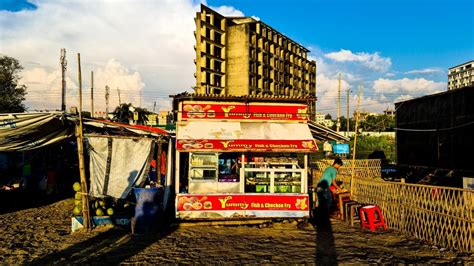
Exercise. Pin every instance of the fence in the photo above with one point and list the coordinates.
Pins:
(438, 215)
(363, 169)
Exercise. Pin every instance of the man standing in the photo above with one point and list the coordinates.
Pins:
(327, 180)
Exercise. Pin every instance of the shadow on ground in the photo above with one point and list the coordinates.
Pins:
(325, 246)
(111, 247)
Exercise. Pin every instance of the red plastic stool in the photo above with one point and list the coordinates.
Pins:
(371, 217)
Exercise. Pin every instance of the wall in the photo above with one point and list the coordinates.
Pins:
(237, 63)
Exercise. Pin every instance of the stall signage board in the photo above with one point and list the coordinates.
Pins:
(246, 145)
(242, 206)
(192, 110)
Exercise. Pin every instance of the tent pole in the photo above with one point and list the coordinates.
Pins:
(80, 153)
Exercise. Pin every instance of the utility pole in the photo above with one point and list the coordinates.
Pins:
(63, 78)
(107, 93)
(338, 123)
(92, 94)
(154, 106)
(354, 149)
(120, 101)
(315, 89)
(347, 117)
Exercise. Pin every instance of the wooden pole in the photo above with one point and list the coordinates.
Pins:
(92, 93)
(347, 117)
(63, 79)
(355, 138)
(107, 101)
(158, 163)
(338, 121)
(80, 151)
(120, 100)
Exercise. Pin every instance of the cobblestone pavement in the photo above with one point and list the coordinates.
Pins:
(41, 236)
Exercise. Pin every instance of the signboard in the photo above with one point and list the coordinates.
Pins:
(340, 148)
(242, 206)
(246, 145)
(192, 110)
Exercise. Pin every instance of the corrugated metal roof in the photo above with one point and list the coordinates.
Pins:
(321, 132)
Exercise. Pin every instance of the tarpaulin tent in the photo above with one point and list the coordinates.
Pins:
(27, 131)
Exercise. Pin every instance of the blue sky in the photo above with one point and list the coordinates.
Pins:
(398, 49)
(415, 34)
(16, 5)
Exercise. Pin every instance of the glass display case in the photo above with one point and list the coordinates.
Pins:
(264, 176)
(203, 166)
(257, 181)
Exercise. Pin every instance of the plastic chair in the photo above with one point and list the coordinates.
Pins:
(371, 218)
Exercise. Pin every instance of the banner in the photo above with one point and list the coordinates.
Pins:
(242, 206)
(246, 145)
(241, 111)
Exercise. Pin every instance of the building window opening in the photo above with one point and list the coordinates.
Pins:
(217, 37)
(217, 52)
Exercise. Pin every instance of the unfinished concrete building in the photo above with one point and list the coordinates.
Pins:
(242, 56)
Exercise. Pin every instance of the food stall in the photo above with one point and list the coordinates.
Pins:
(242, 158)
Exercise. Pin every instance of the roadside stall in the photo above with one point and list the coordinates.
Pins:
(242, 157)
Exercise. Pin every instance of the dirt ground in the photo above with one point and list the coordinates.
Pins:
(42, 236)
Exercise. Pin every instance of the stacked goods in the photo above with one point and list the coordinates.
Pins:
(77, 199)
(102, 208)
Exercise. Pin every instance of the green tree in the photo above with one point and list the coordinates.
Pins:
(328, 116)
(368, 144)
(124, 114)
(379, 123)
(12, 94)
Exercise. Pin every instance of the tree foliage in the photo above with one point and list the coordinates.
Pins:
(124, 114)
(12, 94)
(366, 145)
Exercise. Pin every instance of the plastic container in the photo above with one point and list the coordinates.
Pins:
(147, 210)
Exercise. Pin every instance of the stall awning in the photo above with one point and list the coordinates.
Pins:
(244, 136)
(27, 131)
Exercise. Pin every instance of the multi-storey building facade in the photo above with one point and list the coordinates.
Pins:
(242, 56)
(461, 76)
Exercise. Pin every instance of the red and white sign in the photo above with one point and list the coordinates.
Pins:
(246, 145)
(244, 136)
(233, 202)
(241, 111)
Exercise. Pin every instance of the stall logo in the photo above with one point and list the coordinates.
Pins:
(227, 110)
(225, 204)
(226, 143)
(301, 204)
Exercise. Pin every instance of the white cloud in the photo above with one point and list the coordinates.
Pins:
(403, 97)
(408, 86)
(151, 42)
(370, 60)
(44, 87)
(228, 11)
(426, 71)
